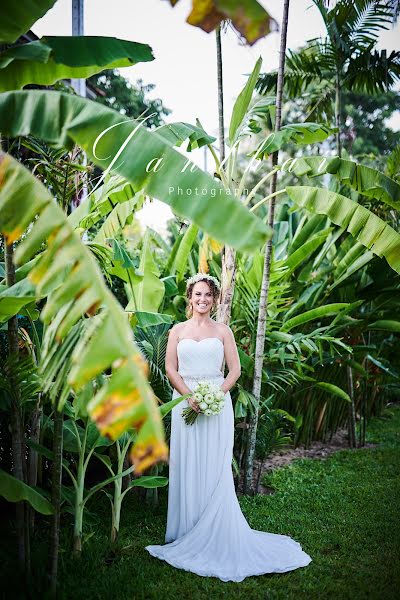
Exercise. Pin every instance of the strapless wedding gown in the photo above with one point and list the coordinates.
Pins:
(207, 532)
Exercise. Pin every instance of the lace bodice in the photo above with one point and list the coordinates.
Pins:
(200, 359)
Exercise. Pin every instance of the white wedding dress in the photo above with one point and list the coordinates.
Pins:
(207, 532)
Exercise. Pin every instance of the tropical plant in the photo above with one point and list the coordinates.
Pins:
(346, 59)
(146, 481)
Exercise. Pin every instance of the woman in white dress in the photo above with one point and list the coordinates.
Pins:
(207, 532)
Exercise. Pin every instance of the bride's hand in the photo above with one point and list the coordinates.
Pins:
(193, 403)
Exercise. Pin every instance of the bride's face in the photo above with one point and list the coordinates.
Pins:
(202, 298)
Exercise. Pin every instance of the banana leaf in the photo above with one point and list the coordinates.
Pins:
(101, 201)
(178, 133)
(184, 250)
(18, 17)
(50, 59)
(363, 179)
(300, 134)
(147, 293)
(14, 298)
(365, 226)
(316, 313)
(125, 400)
(149, 319)
(242, 103)
(14, 490)
(120, 216)
(149, 481)
(38, 113)
(357, 264)
(304, 252)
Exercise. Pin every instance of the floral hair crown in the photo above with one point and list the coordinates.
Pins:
(201, 277)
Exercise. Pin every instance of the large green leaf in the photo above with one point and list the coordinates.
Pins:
(367, 228)
(14, 490)
(301, 134)
(333, 389)
(184, 250)
(120, 216)
(13, 299)
(149, 319)
(302, 254)
(50, 59)
(101, 201)
(39, 113)
(242, 103)
(363, 179)
(166, 408)
(149, 481)
(308, 226)
(18, 17)
(386, 325)
(147, 294)
(316, 313)
(125, 400)
(329, 387)
(178, 133)
(357, 264)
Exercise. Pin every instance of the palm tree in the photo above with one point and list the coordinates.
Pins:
(345, 59)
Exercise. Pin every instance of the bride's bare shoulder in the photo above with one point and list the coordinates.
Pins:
(176, 330)
(224, 331)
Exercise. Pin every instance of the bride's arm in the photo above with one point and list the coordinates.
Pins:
(232, 360)
(171, 363)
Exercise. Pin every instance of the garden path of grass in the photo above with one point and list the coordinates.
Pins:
(343, 510)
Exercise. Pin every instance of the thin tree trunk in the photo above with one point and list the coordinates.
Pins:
(228, 275)
(260, 466)
(337, 113)
(228, 254)
(220, 97)
(262, 312)
(18, 441)
(56, 497)
(33, 454)
(351, 412)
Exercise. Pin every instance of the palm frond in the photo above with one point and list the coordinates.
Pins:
(373, 72)
(152, 341)
(20, 381)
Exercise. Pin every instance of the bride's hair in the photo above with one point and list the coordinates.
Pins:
(213, 284)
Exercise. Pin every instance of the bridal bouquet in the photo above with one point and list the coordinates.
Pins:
(210, 399)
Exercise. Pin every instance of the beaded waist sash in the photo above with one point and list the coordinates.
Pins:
(201, 376)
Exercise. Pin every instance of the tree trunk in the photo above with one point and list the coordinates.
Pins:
(337, 113)
(56, 497)
(228, 254)
(33, 455)
(228, 275)
(262, 312)
(17, 430)
(351, 413)
(221, 125)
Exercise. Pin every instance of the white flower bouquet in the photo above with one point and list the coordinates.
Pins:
(210, 399)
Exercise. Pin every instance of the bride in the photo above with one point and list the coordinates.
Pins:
(207, 532)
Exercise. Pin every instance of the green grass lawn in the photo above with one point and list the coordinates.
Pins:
(343, 510)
